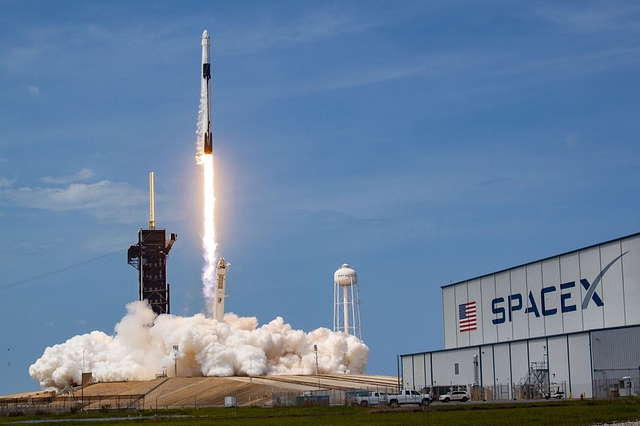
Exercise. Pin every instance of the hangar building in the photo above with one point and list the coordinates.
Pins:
(567, 325)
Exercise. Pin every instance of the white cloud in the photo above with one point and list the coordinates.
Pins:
(16, 59)
(6, 182)
(265, 34)
(83, 174)
(117, 201)
(34, 90)
(595, 17)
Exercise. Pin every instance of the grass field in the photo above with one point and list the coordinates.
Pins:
(540, 413)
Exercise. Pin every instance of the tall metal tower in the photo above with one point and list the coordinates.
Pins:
(149, 257)
(221, 285)
(346, 302)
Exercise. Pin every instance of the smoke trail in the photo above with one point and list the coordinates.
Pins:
(143, 346)
(209, 243)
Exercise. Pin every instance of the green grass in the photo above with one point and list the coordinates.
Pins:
(540, 413)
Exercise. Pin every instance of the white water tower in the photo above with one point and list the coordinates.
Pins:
(346, 302)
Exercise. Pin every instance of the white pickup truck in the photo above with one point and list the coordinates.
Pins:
(405, 397)
(370, 398)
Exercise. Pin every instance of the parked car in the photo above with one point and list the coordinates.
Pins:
(461, 396)
(555, 395)
(406, 397)
(370, 398)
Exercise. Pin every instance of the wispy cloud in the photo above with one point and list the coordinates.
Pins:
(571, 140)
(585, 62)
(116, 201)
(595, 17)
(84, 174)
(460, 74)
(33, 90)
(62, 44)
(18, 58)
(266, 34)
(6, 182)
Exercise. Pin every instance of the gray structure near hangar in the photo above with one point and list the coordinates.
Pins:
(567, 325)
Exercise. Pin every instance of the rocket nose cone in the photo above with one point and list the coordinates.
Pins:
(205, 34)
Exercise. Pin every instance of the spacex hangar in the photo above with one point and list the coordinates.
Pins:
(564, 326)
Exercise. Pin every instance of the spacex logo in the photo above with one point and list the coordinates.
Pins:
(591, 289)
(539, 305)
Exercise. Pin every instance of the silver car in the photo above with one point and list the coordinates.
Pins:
(454, 396)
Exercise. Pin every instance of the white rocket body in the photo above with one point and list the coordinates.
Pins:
(221, 284)
(206, 76)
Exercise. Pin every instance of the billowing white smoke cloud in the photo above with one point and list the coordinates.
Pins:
(143, 346)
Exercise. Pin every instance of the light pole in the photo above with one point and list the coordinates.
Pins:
(175, 360)
(315, 348)
(82, 380)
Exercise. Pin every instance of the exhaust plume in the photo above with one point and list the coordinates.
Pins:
(143, 346)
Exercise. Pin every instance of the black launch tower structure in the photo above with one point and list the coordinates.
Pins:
(149, 257)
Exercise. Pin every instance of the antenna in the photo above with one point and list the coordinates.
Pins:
(152, 212)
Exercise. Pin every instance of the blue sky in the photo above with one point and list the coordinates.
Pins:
(421, 142)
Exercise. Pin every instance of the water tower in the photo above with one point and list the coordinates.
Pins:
(346, 302)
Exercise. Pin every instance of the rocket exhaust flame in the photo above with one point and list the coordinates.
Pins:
(209, 243)
(205, 158)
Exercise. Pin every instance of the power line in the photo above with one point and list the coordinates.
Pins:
(57, 271)
(269, 287)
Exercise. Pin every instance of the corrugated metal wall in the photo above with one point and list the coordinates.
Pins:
(616, 352)
(578, 362)
(577, 313)
(579, 359)
(592, 288)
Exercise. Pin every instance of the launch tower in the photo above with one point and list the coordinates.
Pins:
(149, 257)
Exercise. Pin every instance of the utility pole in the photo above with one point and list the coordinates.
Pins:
(315, 348)
(82, 380)
(175, 359)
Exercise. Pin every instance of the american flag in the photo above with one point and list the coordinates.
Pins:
(467, 316)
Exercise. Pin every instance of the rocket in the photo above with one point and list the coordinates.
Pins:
(221, 284)
(206, 76)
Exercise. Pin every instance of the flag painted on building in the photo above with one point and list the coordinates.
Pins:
(467, 317)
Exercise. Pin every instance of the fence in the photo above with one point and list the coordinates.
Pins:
(310, 399)
(326, 396)
(612, 388)
(56, 405)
